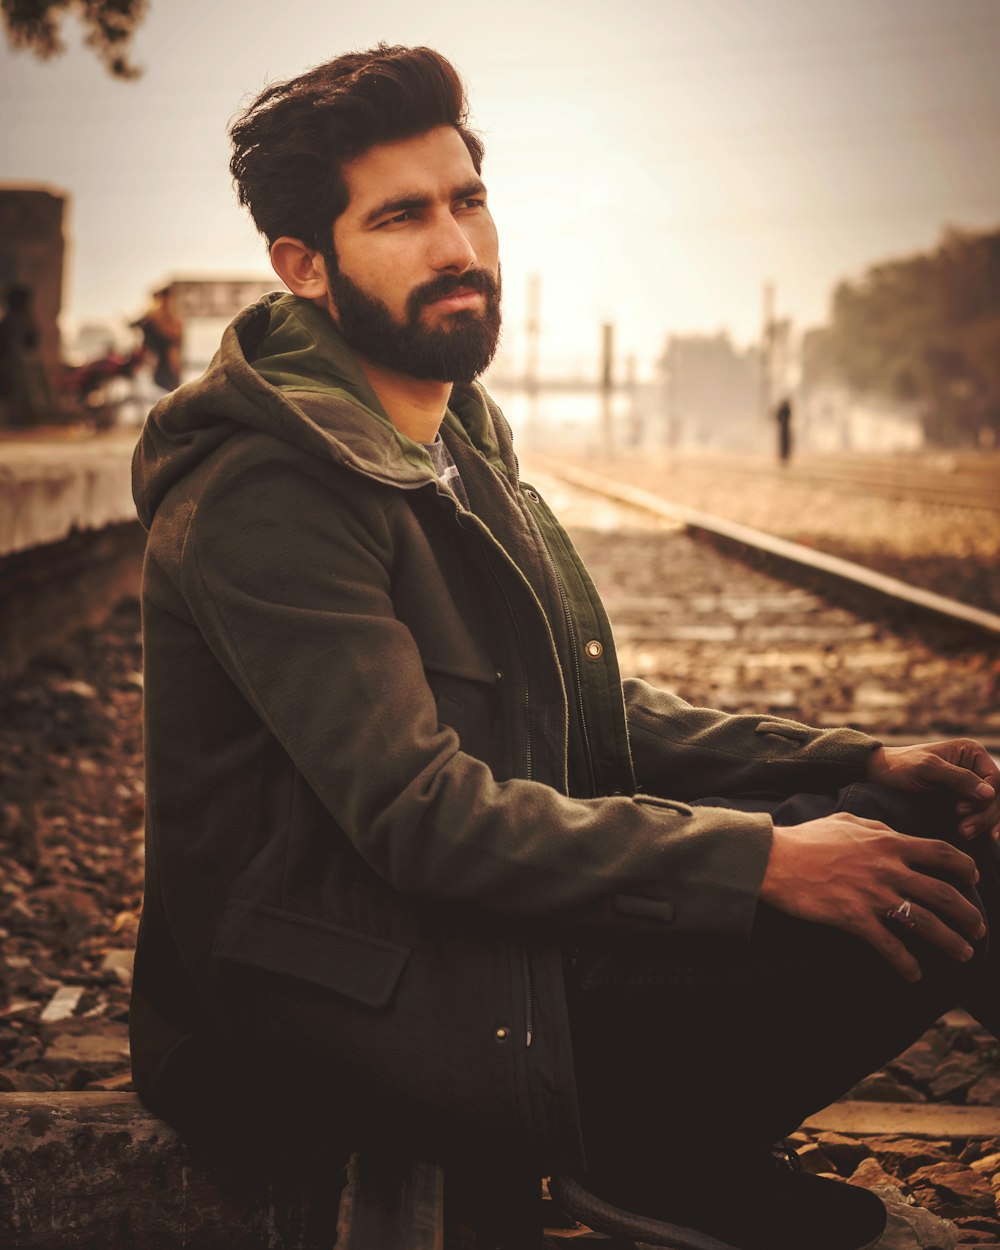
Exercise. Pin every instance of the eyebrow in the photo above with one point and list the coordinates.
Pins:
(411, 200)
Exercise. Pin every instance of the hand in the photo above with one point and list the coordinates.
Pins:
(847, 872)
(958, 764)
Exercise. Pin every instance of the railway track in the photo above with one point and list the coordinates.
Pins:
(687, 615)
(753, 631)
(953, 484)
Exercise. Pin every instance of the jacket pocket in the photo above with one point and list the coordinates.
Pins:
(466, 702)
(357, 965)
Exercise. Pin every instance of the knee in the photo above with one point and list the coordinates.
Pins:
(929, 814)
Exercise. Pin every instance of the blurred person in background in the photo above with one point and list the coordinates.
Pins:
(783, 419)
(162, 333)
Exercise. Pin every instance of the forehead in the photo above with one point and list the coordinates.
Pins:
(430, 164)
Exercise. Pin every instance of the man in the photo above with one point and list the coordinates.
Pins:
(414, 862)
(162, 334)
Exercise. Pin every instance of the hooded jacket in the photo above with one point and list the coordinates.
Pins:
(391, 768)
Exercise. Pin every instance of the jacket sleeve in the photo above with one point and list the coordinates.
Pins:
(290, 584)
(694, 752)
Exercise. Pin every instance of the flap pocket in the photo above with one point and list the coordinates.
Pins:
(468, 666)
(783, 729)
(357, 965)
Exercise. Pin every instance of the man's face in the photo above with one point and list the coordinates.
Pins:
(416, 285)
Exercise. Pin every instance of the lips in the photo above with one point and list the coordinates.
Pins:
(457, 301)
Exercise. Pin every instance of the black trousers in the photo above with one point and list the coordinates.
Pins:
(684, 1043)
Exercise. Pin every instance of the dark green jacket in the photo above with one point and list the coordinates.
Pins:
(387, 780)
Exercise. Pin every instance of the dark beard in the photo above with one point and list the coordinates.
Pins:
(457, 353)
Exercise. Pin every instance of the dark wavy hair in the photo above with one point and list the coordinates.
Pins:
(291, 142)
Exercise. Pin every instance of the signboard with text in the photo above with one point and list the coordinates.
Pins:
(218, 298)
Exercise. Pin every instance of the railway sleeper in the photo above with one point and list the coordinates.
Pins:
(98, 1171)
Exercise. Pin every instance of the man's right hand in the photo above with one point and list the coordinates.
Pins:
(848, 872)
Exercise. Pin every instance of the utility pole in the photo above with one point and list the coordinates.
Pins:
(607, 387)
(766, 350)
(672, 363)
(532, 333)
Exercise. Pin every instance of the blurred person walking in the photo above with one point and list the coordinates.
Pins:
(162, 331)
(783, 416)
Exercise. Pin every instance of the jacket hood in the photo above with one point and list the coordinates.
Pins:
(283, 369)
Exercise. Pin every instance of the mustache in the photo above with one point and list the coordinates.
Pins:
(448, 283)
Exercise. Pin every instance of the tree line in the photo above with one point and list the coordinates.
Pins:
(108, 26)
(923, 329)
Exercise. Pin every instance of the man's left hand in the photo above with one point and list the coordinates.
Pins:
(960, 764)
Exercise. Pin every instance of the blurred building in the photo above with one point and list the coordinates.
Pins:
(206, 303)
(708, 392)
(32, 254)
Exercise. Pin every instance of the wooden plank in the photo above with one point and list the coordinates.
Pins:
(391, 1203)
(906, 1119)
(95, 1169)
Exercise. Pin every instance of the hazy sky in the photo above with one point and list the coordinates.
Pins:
(655, 161)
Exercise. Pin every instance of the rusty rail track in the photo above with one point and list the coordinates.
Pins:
(778, 550)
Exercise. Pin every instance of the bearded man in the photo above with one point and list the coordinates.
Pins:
(419, 865)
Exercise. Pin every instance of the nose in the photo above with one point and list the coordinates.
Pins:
(451, 251)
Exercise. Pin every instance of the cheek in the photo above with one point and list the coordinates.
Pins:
(488, 245)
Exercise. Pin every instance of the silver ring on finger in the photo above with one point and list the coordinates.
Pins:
(902, 914)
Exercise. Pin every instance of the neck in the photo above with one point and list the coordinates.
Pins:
(415, 406)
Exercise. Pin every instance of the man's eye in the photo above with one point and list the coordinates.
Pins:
(397, 218)
(472, 203)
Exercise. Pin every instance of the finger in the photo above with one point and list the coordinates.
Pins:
(940, 858)
(964, 781)
(980, 822)
(891, 948)
(932, 929)
(943, 900)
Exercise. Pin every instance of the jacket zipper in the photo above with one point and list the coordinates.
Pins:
(577, 681)
(574, 649)
(528, 771)
(526, 698)
(529, 997)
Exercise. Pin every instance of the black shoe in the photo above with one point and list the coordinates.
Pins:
(763, 1205)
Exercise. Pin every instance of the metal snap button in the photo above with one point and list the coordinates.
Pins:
(502, 1034)
(594, 649)
(532, 494)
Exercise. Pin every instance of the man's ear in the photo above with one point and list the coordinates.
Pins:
(301, 268)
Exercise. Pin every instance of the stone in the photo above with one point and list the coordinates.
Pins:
(901, 1155)
(954, 1078)
(119, 964)
(921, 1062)
(107, 1047)
(987, 1165)
(985, 1091)
(845, 1153)
(813, 1159)
(61, 1005)
(979, 1224)
(870, 1174)
(951, 1189)
(881, 1087)
(14, 1082)
(910, 1227)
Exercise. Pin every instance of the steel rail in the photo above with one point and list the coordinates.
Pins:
(780, 549)
(940, 496)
